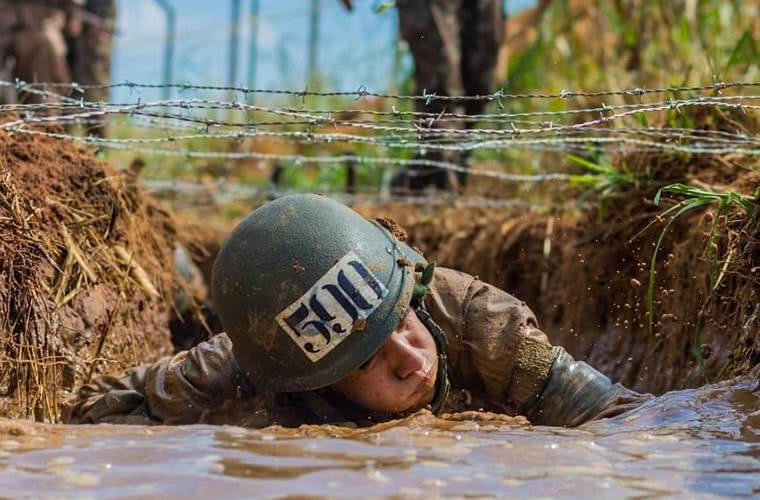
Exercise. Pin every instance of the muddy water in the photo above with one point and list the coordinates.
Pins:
(692, 444)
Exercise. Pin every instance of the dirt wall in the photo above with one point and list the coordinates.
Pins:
(587, 282)
(86, 268)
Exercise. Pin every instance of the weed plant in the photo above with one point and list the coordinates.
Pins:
(696, 198)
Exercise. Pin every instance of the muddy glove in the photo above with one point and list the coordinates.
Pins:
(575, 393)
(174, 390)
(115, 400)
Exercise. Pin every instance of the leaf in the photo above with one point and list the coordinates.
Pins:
(583, 179)
(657, 196)
(744, 51)
(385, 6)
(593, 167)
(642, 118)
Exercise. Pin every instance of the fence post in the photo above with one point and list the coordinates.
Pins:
(313, 40)
(234, 42)
(253, 48)
(171, 33)
(351, 175)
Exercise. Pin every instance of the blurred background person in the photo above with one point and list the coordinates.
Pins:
(33, 41)
(454, 44)
(90, 53)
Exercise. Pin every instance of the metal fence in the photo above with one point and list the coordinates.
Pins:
(381, 130)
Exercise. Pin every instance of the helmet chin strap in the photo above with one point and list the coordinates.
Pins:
(442, 382)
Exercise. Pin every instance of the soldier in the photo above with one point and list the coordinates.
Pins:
(91, 52)
(8, 22)
(32, 36)
(330, 317)
(454, 44)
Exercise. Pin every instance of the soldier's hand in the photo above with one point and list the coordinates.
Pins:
(348, 4)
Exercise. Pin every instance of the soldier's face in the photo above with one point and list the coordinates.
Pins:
(401, 376)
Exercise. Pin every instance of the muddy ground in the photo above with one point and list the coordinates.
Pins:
(586, 274)
(86, 273)
(87, 278)
(588, 286)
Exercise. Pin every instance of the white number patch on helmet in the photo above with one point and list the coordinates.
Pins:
(328, 312)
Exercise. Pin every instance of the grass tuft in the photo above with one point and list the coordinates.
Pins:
(696, 198)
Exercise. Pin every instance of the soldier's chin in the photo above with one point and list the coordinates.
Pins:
(424, 396)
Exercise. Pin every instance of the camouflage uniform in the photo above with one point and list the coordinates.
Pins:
(32, 35)
(454, 44)
(498, 360)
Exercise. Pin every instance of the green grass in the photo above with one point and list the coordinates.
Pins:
(603, 180)
(696, 198)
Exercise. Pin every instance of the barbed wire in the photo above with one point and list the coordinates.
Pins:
(606, 114)
(670, 133)
(362, 92)
(215, 104)
(202, 128)
(314, 116)
(415, 128)
(549, 144)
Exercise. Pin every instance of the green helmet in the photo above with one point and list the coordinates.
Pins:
(308, 290)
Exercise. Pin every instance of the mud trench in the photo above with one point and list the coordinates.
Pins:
(89, 285)
(587, 283)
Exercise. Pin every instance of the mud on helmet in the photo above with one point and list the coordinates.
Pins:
(308, 290)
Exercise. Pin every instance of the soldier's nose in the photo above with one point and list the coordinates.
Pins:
(405, 358)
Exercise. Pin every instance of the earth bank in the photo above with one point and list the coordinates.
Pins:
(86, 273)
(587, 274)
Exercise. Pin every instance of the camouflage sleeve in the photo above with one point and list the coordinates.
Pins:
(174, 390)
(116, 400)
(576, 393)
(498, 351)
(510, 354)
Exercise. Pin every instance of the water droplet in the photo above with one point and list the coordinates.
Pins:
(377, 476)
(83, 479)
(434, 483)
(61, 461)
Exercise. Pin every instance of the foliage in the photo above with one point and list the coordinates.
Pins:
(385, 6)
(603, 179)
(601, 44)
(695, 198)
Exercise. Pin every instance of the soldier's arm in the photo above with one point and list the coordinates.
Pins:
(520, 366)
(174, 390)
(575, 393)
(117, 400)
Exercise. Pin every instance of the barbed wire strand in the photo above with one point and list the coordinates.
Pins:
(362, 92)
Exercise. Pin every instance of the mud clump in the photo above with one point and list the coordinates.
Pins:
(394, 228)
(86, 273)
